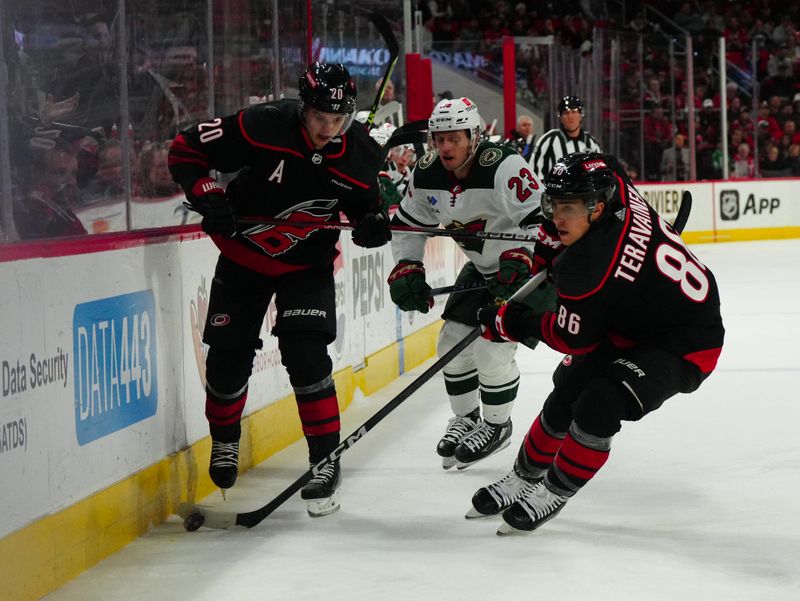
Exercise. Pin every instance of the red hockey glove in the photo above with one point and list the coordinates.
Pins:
(516, 266)
(208, 198)
(505, 323)
(408, 288)
(372, 230)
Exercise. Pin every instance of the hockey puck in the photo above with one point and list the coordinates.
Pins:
(193, 521)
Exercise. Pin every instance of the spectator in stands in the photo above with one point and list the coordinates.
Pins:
(793, 160)
(658, 136)
(689, 19)
(524, 136)
(743, 165)
(639, 24)
(107, 184)
(780, 85)
(388, 93)
(675, 160)
(46, 208)
(652, 95)
(152, 174)
(773, 163)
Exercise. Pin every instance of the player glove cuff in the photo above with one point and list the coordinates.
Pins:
(208, 198)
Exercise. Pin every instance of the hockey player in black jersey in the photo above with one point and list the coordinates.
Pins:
(638, 318)
(296, 160)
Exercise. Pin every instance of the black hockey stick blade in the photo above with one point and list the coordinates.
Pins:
(383, 27)
(196, 515)
(683, 212)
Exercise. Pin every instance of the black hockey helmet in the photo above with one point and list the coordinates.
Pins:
(570, 103)
(328, 88)
(580, 175)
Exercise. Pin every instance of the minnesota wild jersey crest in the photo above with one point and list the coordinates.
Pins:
(427, 159)
(490, 156)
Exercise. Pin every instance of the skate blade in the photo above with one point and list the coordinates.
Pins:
(462, 466)
(474, 514)
(318, 508)
(448, 463)
(506, 529)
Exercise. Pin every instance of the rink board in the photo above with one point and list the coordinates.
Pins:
(101, 375)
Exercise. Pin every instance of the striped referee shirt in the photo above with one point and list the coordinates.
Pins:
(555, 144)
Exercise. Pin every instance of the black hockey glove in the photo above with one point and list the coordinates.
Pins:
(516, 266)
(208, 198)
(507, 323)
(408, 288)
(372, 230)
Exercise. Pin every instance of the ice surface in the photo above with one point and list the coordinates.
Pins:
(699, 501)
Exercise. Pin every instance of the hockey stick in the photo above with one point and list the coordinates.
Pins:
(405, 229)
(683, 212)
(678, 225)
(195, 516)
(383, 27)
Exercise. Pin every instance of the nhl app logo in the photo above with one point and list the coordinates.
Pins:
(729, 205)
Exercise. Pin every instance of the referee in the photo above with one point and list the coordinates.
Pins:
(569, 137)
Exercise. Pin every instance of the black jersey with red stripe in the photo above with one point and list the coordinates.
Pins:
(280, 175)
(631, 280)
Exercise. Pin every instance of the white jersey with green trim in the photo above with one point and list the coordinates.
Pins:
(499, 194)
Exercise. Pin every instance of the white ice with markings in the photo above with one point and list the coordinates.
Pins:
(698, 501)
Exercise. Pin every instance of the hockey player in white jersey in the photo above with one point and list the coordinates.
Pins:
(467, 184)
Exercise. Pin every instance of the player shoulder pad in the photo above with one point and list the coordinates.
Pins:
(490, 154)
(270, 122)
(427, 159)
(582, 269)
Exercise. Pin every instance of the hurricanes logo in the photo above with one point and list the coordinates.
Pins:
(274, 240)
(198, 310)
(490, 156)
(427, 159)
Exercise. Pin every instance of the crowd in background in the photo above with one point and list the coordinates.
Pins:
(71, 149)
(766, 126)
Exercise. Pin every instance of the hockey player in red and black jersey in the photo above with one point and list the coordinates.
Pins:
(296, 160)
(638, 317)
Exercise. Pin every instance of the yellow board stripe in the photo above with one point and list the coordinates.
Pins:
(43, 556)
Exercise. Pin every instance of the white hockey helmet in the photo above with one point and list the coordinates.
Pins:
(454, 115)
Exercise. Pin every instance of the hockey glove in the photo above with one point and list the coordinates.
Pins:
(408, 288)
(208, 198)
(372, 230)
(516, 266)
(506, 323)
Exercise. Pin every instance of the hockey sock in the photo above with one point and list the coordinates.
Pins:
(224, 412)
(540, 446)
(580, 457)
(462, 388)
(318, 408)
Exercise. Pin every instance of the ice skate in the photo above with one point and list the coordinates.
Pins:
(224, 465)
(458, 427)
(485, 440)
(533, 509)
(499, 496)
(321, 493)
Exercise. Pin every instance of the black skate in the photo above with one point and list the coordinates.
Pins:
(321, 493)
(533, 509)
(458, 427)
(499, 496)
(485, 440)
(224, 465)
